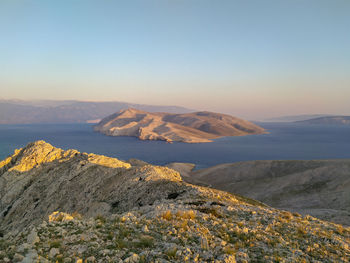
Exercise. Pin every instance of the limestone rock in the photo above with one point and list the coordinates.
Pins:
(134, 258)
(53, 252)
(17, 258)
(33, 237)
(152, 216)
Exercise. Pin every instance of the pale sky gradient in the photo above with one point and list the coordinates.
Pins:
(249, 58)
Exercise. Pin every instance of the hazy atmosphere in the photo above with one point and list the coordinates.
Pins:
(254, 59)
(174, 131)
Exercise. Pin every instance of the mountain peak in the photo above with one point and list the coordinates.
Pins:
(31, 155)
(40, 152)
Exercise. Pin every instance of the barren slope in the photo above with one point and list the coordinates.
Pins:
(320, 188)
(189, 127)
(115, 212)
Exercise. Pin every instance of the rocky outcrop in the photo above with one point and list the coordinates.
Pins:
(40, 179)
(189, 127)
(67, 206)
(319, 188)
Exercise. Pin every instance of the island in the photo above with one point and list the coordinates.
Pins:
(333, 120)
(195, 127)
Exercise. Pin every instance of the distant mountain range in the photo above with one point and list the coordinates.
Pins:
(70, 111)
(294, 118)
(188, 127)
(332, 120)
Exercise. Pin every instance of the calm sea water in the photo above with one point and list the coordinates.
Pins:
(285, 141)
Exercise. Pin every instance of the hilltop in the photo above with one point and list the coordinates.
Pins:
(114, 211)
(188, 127)
(320, 187)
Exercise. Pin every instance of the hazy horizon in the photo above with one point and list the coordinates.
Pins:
(243, 115)
(255, 60)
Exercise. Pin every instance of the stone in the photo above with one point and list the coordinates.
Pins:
(134, 258)
(53, 252)
(30, 257)
(23, 247)
(17, 257)
(91, 259)
(33, 237)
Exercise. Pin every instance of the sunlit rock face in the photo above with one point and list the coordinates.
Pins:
(68, 206)
(40, 179)
(197, 127)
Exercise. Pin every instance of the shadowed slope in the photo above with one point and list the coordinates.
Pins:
(320, 188)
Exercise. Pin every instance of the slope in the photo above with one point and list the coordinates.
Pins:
(320, 188)
(115, 212)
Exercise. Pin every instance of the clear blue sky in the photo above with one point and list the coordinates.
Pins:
(250, 58)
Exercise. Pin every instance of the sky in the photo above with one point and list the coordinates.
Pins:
(250, 58)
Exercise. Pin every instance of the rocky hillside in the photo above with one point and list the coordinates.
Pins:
(189, 127)
(114, 211)
(330, 120)
(319, 188)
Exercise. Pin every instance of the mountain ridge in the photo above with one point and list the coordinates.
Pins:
(329, 120)
(68, 111)
(295, 118)
(68, 206)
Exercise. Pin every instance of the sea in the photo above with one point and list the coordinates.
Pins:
(285, 141)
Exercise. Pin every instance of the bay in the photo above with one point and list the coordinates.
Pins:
(285, 141)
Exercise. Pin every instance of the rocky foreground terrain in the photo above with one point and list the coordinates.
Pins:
(320, 188)
(67, 206)
(193, 127)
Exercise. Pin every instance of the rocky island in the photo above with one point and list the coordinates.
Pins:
(196, 127)
(67, 206)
